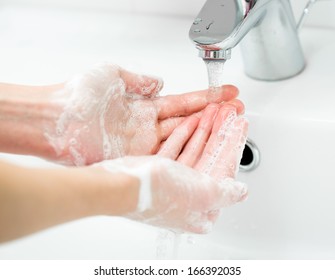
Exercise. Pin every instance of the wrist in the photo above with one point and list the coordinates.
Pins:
(113, 194)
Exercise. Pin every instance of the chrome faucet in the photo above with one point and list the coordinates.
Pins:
(267, 31)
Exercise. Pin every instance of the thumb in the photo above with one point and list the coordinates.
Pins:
(147, 86)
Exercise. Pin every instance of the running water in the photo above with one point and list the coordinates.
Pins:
(168, 243)
(215, 73)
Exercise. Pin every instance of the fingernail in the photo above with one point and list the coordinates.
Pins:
(150, 80)
(159, 85)
(222, 93)
(241, 191)
(224, 118)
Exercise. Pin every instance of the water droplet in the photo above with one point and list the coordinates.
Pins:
(196, 30)
(197, 21)
(209, 25)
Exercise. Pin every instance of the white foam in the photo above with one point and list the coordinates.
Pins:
(143, 173)
(97, 102)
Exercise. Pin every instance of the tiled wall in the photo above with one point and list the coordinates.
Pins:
(323, 13)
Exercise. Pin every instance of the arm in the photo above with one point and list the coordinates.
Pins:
(25, 112)
(34, 199)
(95, 116)
(183, 194)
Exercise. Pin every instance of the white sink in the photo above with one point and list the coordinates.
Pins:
(289, 213)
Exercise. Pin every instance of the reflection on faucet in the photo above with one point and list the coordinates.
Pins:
(270, 47)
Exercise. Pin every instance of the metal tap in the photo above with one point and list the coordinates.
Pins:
(267, 31)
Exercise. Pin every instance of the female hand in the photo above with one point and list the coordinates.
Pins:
(187, 194)
(183, 194)
(109, 113)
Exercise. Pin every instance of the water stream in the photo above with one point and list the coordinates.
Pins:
(215, 73)
(169, 242)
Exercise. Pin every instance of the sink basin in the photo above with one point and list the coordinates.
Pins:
(289, 213)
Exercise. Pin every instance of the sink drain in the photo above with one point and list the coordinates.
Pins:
(250, 158)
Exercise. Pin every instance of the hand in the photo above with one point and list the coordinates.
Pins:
(213, 145)
(110, 113)
(187, 194)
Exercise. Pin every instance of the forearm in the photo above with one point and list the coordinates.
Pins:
(35, 199)
(25, 114)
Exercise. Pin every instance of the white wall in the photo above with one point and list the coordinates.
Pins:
(323, 13)
(174, 7)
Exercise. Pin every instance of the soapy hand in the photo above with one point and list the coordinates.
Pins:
(186, 191)
(109, 112)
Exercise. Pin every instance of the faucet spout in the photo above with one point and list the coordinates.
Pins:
(270, 45)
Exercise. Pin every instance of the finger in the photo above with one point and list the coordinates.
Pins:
(188, 103)
(231, 192)
(200, 226)
(204, 223)
(238, 104)
(213, 215)
(196, 144)
(215, 93)
(141, 84)
(174, 144)
(166, 127)
(225, 150)
(229, 156)
(224, 118)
